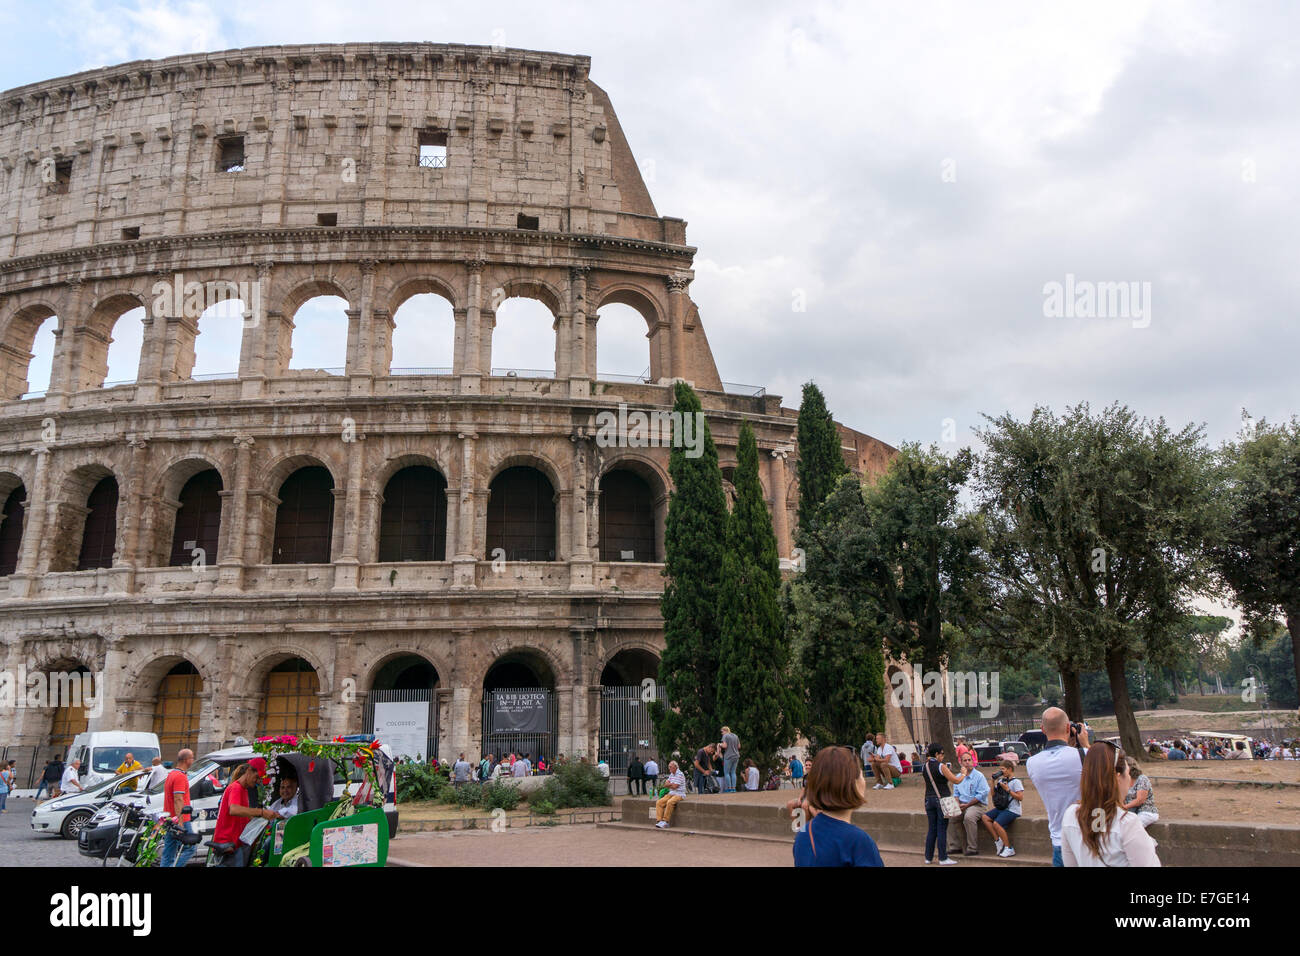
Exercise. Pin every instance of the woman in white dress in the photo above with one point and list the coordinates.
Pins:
(1098, 831)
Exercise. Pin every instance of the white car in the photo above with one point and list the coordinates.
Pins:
(66, 815)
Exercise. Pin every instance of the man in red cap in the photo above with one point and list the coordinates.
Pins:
(235, 811)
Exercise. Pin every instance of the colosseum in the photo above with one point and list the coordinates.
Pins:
(276, 548)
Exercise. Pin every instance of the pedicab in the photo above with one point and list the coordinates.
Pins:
(327, 831)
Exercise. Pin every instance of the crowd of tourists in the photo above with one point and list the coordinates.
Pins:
(1098, 802)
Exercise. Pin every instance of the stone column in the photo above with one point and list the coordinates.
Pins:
(64, 371)
(661, 525)
(345, 713)
(471, 370)
(26, 579)
(580, 558)
(780, 513)
(487, 323)
(230, 564)
(134, 499)
(577, 350)
(677, 320)
(346, 564)
(258, 320)
(463, 569)
(108, 684)
(458, 362)
(361, 345)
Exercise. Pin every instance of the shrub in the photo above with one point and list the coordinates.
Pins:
(419, 781)
(544, 807)
(573, 785)
(498, 794)
(466, 795)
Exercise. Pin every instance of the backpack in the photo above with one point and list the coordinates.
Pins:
(1001, 798)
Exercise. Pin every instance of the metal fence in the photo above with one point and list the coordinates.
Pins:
(537, 744)
(397, 696)
(625, 726)
(1008, 723)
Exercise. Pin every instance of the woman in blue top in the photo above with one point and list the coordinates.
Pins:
(835, 788)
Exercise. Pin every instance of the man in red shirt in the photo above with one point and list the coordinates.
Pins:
(235, 811)
(176, 797)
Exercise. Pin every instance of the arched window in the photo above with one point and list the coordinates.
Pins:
(123, 362)
(627, 518)
(304, 521)
(521, 516)
(622, 348)
(99, 540)
(42, 362)
(523, 340)
(218, 340)
(320, 335)
(424, 336)
(11, 531)
(413, 525)
(291, 702)
(27, 353)
(198, 520)
(176, 717)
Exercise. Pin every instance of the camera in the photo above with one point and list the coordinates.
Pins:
(1075, 728)
(997, 775)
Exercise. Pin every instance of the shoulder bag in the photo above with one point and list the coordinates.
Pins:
(948, 806)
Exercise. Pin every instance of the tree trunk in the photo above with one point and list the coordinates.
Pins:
(940, 720)
(1130, 738)
(1293, 626)
(1073, 692)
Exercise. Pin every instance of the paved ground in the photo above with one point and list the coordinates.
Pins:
(591, 845)
(22, 846)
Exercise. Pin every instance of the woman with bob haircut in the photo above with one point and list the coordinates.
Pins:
(834, 790)
(1098, 831)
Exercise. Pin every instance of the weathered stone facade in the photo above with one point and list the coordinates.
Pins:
(111, 182)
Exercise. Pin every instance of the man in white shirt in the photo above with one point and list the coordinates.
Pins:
(885, 765)
(157, 773)
(1056, 771)
(676, 784)
(522, 767)
(70, 782)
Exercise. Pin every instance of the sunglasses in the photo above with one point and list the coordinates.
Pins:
(1120, 763)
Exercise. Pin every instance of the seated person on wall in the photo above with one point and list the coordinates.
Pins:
(885, 765)
(1141, 797)
(664, 806)
(1008, 794)
(651, 775)
(973, 795)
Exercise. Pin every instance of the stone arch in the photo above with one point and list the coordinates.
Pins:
(147, 677)
(305, 717)
(538, 539)
(522, 287)
(295, 296)
(425, 333)
(413, 510)
(651, 309)
(532, 459)
(278, 474)
(284, 465)
(13, 521)
(261, 663)
(658, 483)
(394, 296)
(637, 645)
(394, 652)
(71, 512)
(391, 466)
(95, 336)
(171, 482)
(505, 649)
(17, 343)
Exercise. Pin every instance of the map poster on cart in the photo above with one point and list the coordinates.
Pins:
(350, 846)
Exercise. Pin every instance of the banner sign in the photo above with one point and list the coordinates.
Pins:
(404, 726)
(520, 712)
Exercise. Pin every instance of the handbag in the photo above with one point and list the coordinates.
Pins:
(948, 806)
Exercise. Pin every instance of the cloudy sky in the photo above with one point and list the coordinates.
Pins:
(911, 177)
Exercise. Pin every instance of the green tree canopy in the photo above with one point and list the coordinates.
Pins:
(694, 539)
(756, 697)
(821, 462)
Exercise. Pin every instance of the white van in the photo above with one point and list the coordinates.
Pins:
(101, 752)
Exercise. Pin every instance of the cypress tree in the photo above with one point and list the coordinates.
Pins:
(755, 695)
(821, 462)
(694, 538)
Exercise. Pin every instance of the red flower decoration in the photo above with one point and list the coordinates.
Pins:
(311, 767)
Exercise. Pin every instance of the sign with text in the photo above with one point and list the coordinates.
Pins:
(404, 726)
(520, 712)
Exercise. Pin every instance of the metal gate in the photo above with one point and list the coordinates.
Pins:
(400, 696)
(625, 726)
(540, 744)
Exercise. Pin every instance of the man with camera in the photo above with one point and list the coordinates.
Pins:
(1057, 769)
(973, 795)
